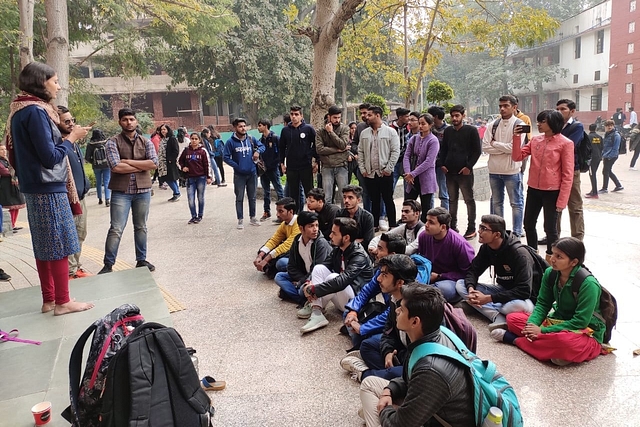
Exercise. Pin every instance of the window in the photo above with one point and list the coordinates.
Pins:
(596, 76)
(628, 88)
(575, 78)
(596, 100)
(629, 68)
(577, 47)
(632, 5)
(627, 105)
(577, 98)
(630, 48)
(632, 27)
(600, 41)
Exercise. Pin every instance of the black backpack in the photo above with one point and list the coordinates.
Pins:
(585, 150)
(540, 265)
(623, 144)
(99, 159)
(152, 382)
(109, 334)
(608, 305)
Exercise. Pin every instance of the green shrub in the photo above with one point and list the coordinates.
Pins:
(88, 170)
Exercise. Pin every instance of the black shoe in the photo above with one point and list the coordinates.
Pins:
(192, 220)
(542, 241)
(17, 228)
(106, 269)
(618, 188)
(99, 201)
(197, 220)
(106, 202)
(4, 277)
(145, 263)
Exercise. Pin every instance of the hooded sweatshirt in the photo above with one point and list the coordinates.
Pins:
(197, 160)
(239, 154)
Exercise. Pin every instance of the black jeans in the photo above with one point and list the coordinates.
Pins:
(381, 186)
(607, 164)
(595, 163)
(425, 200)
(294, 178)
(536, 201)
(219, 162)
(636, 153)
(457, 183)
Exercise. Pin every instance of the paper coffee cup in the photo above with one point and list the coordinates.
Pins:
(41, 413)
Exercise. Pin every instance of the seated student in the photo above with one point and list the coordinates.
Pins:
(326, 211)
(450, 253)
(512, 268)
(410, 228)
(574, 331)
(383, 355)
(438, 388)
(387, 244)
(272, 257)
(351, 197)
(340, 278)
(309, 249)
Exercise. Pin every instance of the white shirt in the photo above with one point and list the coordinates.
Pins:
(305, 253)
(633, 118)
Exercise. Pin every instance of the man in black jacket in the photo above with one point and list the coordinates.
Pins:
(459, 152)
(513, 269)
(351, 198)
(339, 279)
(271, 159)
(326, 211)
(437, 389)
(309, 249)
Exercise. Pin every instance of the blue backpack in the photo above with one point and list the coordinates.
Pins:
(490, 387)
(424, 269)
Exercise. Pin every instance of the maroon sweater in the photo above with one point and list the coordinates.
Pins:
(197, 160)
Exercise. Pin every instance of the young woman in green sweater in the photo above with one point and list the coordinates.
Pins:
(563, 328)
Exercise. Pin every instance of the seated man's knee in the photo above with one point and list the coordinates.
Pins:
(461, 288)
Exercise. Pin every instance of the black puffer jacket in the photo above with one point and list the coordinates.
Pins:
(513, 269)
(357, 270)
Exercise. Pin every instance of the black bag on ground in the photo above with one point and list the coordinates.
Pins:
(151, 382)
(540, 265)
(109, 334)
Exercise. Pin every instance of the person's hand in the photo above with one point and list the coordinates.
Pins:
(78, 132)
(314, 168)
(351, 317)
(531, 331)
(384, 401)
(385, 173)
(559, 209)
(409, 178)
(434, 277)
(256, 156)
(209, 181)
(283, 168)
(257, 261)
(465, 171)
(328, 127)
(185, 169)
(388, 359)
(350, 158)
(262, 264)
(356, 327)
(478, 298)
(517, 131)
(444, 169)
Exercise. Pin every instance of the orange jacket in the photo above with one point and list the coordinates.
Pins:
(551, 166)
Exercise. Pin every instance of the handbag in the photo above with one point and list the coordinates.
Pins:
(261, 168)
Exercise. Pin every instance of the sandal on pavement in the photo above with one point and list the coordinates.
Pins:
(210, 384)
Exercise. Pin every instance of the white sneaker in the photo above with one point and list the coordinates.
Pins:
(305, 312)
(240, 225)
(633, 169)
(498, 334)
(384, 225)
(355, 366)
(254, 221)
(315, 322)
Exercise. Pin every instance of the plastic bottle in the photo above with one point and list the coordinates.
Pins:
(494, 418)
(194, 359)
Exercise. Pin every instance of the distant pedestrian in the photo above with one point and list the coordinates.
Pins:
(610, 149)
(209, 145)
(10, 196)
(96, 155)
(218, 148)
(194, 163)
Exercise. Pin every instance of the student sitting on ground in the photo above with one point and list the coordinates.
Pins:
(351, 198)
(410, 228)
(512, 269)
(272, 257)
(574, 331)
(450, 254)
(309, 249)
(326, 211)
(387, 244)
(437, 389)
(339, 279)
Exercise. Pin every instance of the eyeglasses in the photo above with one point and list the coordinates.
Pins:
(69, 121)
(482, 229)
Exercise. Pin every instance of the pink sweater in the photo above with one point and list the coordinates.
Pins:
(551, 166)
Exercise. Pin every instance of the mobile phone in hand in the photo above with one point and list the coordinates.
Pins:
(525, 128)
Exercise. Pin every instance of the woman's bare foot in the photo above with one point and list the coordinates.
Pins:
(72, 307)
(48, 306)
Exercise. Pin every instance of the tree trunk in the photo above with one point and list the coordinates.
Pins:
(329, 21)
(26, 32)
(58, 45)
(345, 111)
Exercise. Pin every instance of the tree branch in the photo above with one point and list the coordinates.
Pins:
(347, 9)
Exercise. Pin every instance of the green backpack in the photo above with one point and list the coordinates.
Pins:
(490, 387)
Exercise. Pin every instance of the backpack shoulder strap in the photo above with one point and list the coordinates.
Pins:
(494, 128)
(431, 348)
(75, 373)
(578, 279)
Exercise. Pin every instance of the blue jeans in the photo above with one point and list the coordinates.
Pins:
(492, 309)
(289, 288)
(173, 185)
(371, 355)
(332, 176)
(443, 192)
(513, 184)
(366, 200)
(103, 176)
(240, 183)
(448, 289)
(121, 204)
(271, 177)
(196, 184)
(216, 171)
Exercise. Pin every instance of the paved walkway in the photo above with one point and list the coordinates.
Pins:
(246, 336)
